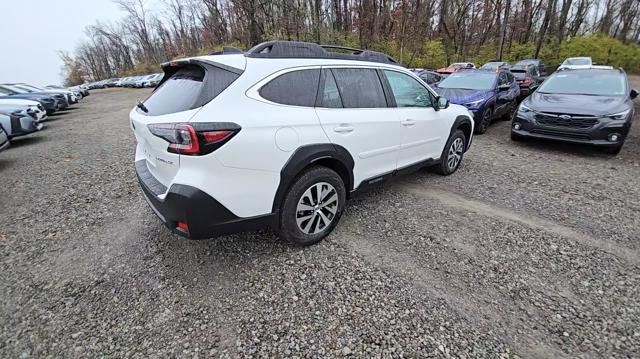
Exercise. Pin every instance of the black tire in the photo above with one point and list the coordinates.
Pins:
(298, 196)
(611, 150)
(483, 123)
(444, 167)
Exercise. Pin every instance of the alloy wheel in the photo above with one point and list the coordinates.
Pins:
(317, 208)
(455, 153)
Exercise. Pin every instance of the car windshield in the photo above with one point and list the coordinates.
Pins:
(594, 83)
(17, 89)
(577, 61)
(469, 81)
(29, 87)
(491, 65)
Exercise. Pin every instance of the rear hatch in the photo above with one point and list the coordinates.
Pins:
(187, 85)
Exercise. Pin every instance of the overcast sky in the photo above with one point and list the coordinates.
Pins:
(33, 31)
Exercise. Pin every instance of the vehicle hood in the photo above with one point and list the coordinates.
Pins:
(17, 101)
(13, 108)
(29, 96)
(576, 104)
(462, 96)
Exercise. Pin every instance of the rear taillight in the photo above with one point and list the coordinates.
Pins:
(195, 139)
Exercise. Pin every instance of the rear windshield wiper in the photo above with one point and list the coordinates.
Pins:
(141, 106)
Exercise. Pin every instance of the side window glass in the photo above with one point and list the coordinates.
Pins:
(502, 79)
(407, 91)
(359, 88)
(330, 94)
(296, 88)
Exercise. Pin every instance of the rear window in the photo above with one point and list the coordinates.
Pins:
(519, 74)
(188, 88)
(360, 88)
(295, 88)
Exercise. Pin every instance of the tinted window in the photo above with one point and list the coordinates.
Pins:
(520, 74)
(503, 79)
(597, 83)
(187, 89)
(407, 91)
(360, 88)
(330, 94)
(297, 88)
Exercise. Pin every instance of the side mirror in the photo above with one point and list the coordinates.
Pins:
(633, 94)
(442, 103)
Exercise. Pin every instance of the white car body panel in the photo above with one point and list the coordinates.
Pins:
(244, 174)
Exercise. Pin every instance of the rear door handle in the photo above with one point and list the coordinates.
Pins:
(408, 122)
(343, 129)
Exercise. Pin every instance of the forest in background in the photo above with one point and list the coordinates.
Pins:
(418, 33)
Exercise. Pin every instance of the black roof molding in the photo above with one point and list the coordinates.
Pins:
(298, 49)
(227, 50)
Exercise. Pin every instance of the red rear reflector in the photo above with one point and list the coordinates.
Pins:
(215, 136)
(183, 227)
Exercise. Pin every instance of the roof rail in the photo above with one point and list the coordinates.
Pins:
(227, 50)
(298, 49)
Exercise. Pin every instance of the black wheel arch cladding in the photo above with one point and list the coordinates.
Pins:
(322, 154)
(460, 123)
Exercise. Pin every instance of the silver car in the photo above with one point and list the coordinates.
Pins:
(18, 124)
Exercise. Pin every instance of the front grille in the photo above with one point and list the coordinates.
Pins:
(577, 136)
(573, 121)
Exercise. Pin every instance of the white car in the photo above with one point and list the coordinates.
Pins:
(281, 135)
(71, 97)
(576, 63)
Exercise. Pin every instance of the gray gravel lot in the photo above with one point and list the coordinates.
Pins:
(530, 250)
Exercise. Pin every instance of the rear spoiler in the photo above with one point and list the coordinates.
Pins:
(172, 67)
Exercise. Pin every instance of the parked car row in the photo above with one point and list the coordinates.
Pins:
(24, 107)
(580, 102)
(151, 80)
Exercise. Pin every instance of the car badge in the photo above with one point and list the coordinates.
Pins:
(565, 117)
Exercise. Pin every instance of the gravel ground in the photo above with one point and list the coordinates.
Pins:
(530, 250)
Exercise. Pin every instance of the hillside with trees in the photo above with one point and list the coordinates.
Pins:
(419, 33)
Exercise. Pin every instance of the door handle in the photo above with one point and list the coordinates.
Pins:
(343, 129)
(408, 122)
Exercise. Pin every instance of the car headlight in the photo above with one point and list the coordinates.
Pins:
(620, 115)
(524, 110)
(475, 103)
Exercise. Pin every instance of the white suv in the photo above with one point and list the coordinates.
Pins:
(280, 135)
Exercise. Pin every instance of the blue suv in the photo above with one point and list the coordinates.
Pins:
(488, 94)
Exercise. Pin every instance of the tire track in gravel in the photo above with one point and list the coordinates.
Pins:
(456, 201)
(485, 311)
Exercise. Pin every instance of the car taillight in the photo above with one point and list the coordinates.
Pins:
(194, 139)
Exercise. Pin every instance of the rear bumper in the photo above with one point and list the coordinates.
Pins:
(203, 214)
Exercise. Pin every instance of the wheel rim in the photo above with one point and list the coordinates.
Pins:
(317, 208)
(455, 153)
(485, 119)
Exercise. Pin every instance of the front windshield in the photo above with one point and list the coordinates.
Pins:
(16, 89)
(25, 88)
(490, 66)
(595, 83)
(29, 87)
(577, 61)
(469, 81)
